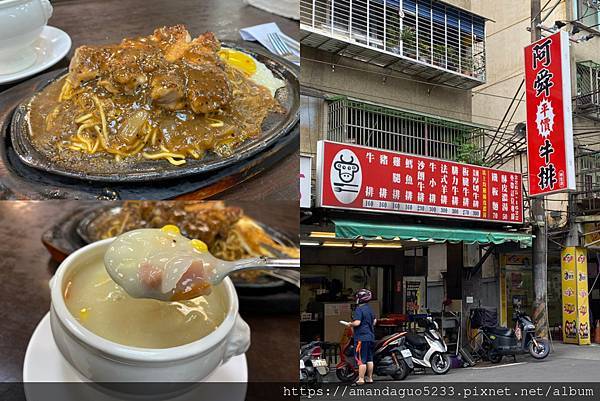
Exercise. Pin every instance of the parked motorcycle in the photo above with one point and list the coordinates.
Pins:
(429, 349)
(390, 357)
(501, 341)
(312, 364)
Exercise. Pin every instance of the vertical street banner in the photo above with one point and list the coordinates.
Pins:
(305, 180)
(550, 158)
(583, 305)
(576, 319)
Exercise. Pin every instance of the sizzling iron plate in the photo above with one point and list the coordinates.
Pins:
(86, 229)
(274, 127)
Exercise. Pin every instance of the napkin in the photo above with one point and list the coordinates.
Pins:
(285, 8)
(259, 33)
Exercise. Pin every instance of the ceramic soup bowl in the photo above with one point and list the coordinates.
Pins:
(100, 360)
(21, 22)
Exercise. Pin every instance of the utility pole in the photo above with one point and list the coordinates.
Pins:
(540, 229)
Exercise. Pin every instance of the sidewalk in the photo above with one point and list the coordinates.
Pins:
(566, 363)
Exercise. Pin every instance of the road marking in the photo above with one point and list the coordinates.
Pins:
(500, 366)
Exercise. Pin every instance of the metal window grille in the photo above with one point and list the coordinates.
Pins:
(381, 127)
(587, 99)
(587, 11)
(588, 173)
(430, 31)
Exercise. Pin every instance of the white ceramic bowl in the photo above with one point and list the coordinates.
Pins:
(21, 22)
(101, 360)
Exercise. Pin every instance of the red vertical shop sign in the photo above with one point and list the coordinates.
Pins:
(551, 163)
(361, 178)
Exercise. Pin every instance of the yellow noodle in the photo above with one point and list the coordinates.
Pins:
(82, 127)
(162, 155)
(87, 142)
(63, 91)
(216, 123)
(96, 144)
(176, 162)
(104, 146)
(84, 118)
(103, 117)
(50, 118)
(154, 132)
(138, 148)
(194, 154)
(77, 146)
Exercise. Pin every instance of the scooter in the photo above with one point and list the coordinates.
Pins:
(312, 366)
(500, 341)
(390, 357)
(429, 349)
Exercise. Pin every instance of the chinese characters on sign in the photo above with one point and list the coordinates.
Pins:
(551, 163)
(356, 177)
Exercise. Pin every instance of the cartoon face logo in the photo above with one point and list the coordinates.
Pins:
(583, 293)
(346, 168)
(346, 176)
(583, 310)
(568, 257)
(581, 258)
(584, 330)
(582, 276)
(569, 275)
(569, 292)
(571, 328)
(569, 308)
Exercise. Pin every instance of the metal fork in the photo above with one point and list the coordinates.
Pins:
(281, 48)
(290, 275)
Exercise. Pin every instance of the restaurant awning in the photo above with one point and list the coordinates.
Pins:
(353, 229)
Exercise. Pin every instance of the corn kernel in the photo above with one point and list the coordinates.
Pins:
(199, 245)
(169, 228)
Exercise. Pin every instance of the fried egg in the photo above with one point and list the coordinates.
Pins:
(254, 69)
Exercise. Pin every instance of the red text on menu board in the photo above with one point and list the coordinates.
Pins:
(361, 178)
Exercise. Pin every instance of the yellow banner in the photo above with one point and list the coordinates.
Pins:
(574, 296)
(583, 307)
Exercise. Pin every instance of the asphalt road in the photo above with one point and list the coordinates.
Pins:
(566, 363)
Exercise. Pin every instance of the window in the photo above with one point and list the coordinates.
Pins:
(588, 84)
(588, 171)
(430, 31)
(381, 127)
(586, 11)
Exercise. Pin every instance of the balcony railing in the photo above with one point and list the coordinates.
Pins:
(427, 38)
(587, 100)
(366, 124)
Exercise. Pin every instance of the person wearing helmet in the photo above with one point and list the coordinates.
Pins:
(363, 320)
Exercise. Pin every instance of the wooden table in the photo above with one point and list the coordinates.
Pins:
(26, 267)
(108, 21)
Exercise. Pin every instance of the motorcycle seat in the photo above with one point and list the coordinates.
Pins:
(416, 341)
(386, 339)
(499, 331)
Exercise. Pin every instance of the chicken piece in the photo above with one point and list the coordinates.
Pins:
(87, 63)
(127, 71)
(207, 88)
(167, 67)
(167, 90)
(204, 50)
(173, 40)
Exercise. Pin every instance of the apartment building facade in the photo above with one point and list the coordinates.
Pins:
(398, 75)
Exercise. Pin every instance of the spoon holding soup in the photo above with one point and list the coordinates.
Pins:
(164, 265)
